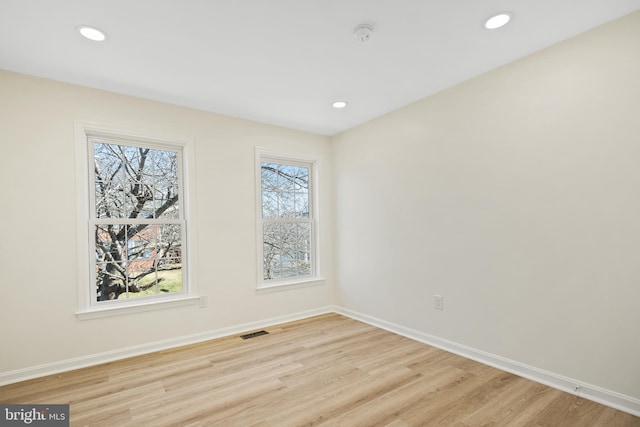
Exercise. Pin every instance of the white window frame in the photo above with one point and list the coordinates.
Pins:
(265, 155)
(88, 307)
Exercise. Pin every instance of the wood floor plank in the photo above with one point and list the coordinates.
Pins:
(327, 370)
(514, 405)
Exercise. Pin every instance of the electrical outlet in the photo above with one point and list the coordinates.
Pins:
(204, 301)
(437, 302)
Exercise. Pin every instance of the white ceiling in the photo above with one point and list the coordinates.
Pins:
(284, 61)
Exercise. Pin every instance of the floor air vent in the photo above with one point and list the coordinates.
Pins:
(253, 335)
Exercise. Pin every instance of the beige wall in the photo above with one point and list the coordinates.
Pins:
(515, 196)
(38, 253)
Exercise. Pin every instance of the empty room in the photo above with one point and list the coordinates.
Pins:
(333, 213)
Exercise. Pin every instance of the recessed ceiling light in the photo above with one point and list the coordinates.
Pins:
(339, 104)
(497, 21)
(92, 33)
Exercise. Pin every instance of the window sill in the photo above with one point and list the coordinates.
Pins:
(289, 284)
(96, 313)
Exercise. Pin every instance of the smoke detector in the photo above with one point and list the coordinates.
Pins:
(363, 33)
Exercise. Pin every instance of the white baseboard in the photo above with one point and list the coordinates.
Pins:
(597, 394)
(587, 391)
(109, 356)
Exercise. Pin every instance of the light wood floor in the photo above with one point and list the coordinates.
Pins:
(327, 370)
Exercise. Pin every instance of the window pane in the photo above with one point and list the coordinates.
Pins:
(285, 191)
(138, 260)
(140, 281)
(290, 238)
(271, 251)
(165, 168)
(301, 205)
(166, 202)
(139, 200)
(108, 162)
(166, 184)
(109, 196)
(134, 159)
(151, 188)
(111, 261)
(269, 176)
(141, 246)
(286, 250)
(142, 284)
(301, 179)
(169, 244)
(285, 178)
(110, 243)
(135, 182)
(286, 205)
(170, 275)
(110, 280)
(269, 204)
(110, 181)
(165, 278)
(269, 185)
(303, 248)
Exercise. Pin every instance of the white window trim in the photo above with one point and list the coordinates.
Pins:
(263, 154)
(86, 307)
